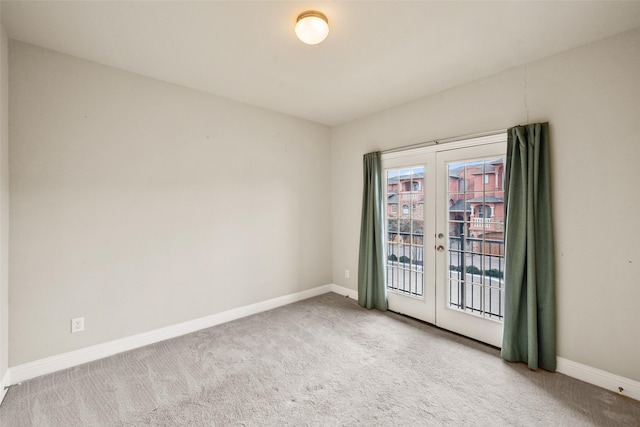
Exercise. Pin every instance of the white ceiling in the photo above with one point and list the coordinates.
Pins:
(378, 54)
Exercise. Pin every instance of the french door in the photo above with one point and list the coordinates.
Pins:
(445, 235)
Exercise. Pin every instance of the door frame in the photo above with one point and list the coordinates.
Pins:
(433, 307)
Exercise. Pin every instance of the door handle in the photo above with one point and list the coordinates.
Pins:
(440, 248)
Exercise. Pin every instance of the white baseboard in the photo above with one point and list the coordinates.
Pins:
(56, 363)
(600, 378)
(5, 381)
(16, 374)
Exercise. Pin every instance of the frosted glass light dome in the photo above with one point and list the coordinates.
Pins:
(312, 27)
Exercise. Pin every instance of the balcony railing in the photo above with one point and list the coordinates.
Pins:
(476, 276)
(479, 222)
(475, 279)
(493, 224)
(405, 267)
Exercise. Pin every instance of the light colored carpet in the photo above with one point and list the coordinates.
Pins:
(320, 362)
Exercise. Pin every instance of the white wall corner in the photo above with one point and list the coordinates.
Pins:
(59, 362)
(600, 378)
(341, 290)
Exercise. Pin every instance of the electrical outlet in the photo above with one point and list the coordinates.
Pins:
(77, 325)
(346, 274)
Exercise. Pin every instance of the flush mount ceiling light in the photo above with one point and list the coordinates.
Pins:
(312, 27)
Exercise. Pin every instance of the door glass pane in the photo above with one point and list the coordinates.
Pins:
(405, 230)
(476, 237)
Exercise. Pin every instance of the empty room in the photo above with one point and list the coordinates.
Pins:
(319, 213)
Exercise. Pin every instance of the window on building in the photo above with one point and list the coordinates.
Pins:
(483, 211)
(405, 209)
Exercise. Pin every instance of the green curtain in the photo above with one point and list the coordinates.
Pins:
(372, 292)
(529, 320)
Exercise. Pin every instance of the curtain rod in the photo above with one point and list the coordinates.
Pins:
(445, 140)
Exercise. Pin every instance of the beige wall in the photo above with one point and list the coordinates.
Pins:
(591, 97)
(4, 205)
(140, 204)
